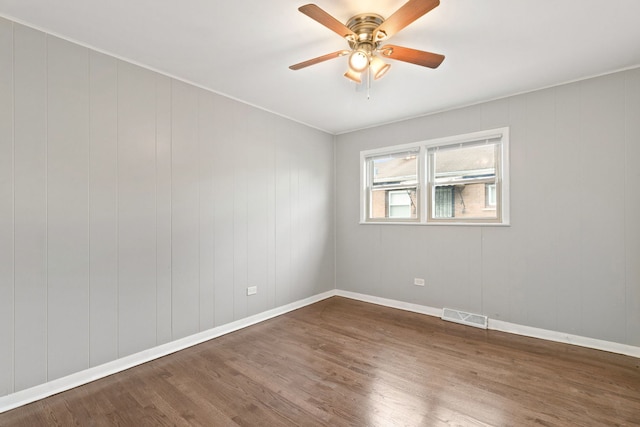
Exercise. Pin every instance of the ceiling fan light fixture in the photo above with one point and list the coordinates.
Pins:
(354, 76)
(358, 60)
(378, 67)
(365, 34)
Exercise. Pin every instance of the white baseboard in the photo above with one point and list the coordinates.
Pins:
(500, 325)
(59, 385)
(422, 309)
(41, 391)
(596, 344)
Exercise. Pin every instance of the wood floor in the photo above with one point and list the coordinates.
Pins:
(342, 362)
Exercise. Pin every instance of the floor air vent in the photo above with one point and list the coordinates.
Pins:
(470, 319)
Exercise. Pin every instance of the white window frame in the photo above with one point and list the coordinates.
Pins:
(366, 171)
(424, 186)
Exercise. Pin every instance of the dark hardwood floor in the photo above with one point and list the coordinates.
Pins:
(341, 362)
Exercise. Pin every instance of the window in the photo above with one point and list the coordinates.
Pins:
(456, 180)
(467, 170)
(393, 186)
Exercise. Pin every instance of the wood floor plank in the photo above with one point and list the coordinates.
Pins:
(342, 362)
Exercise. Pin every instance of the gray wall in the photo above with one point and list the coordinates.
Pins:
(136, 209)
(570, 261)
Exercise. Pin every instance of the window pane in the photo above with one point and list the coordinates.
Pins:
(465, 164)
(464, 181)
(393, 184)
(396, 169)
(444, 202)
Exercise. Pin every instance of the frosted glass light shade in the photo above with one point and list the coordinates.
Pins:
(378, 67)
(354, 76)
(358, 60)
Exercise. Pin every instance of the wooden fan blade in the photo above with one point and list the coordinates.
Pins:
(409, 12)
(317, 14)
(418, 57)
(319, 59)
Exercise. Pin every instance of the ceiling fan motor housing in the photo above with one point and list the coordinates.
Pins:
(363, 26)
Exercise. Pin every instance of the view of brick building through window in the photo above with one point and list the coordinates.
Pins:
(395, 183)
(464, 180)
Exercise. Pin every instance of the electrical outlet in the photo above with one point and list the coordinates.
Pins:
(252, 290)
(418, 282)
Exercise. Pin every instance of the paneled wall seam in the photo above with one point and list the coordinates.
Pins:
(482, 271)
(246, 284)
(581, 133)
(627, 292)
(46, 192)
(30, 223)
(89, 198)
(117, 142)
(155, 156)
(553, 136)
(171, 201)
(199, 142)
(12, 386)
(335, 214)
(171, 86)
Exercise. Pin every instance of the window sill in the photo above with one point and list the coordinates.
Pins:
(438, 224)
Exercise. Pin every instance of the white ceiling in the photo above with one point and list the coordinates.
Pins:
(242, 49)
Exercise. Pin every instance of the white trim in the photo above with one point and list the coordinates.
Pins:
(499, 325)
(59, 385)
(561, 337)
(436, 224)
(406, 306)
(50, 388)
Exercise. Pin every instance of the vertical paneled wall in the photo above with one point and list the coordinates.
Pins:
(569, 261)
(7, 176)
(103, 209)
(67, 183)
(30, 187)
(136, 209)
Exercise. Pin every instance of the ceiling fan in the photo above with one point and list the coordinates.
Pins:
(365, 34)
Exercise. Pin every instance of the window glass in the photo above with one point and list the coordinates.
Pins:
(462, 175)
(393, 185)
(462, 179)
